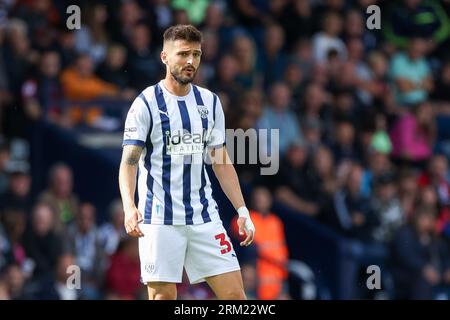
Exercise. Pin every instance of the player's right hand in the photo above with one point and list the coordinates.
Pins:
(132, 219)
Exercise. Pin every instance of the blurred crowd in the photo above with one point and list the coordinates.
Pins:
(363, 118)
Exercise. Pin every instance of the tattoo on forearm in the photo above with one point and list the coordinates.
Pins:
(132, 161)
(132, 155)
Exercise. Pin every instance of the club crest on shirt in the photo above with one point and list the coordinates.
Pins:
(203, 111)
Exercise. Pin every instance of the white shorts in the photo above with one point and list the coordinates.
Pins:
(204, 250)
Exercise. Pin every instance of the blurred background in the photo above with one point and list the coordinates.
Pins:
(364, 119)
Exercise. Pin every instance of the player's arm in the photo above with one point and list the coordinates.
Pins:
(127, 185)
(228, 179)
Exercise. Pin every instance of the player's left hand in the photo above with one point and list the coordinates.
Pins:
(246, 227)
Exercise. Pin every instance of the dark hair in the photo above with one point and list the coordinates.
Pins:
(183, 32)
(423, 211)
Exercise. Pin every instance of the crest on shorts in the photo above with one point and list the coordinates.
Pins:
(149, 267)
(203, 111)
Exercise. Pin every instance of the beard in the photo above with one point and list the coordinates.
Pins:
(183, 80)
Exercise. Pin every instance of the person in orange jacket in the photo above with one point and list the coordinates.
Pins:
(272, 252)
(81, 84)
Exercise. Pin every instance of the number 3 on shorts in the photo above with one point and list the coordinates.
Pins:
(223, 242)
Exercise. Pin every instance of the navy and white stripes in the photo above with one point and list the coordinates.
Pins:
(173, 185)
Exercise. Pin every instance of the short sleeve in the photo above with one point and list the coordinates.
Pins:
(217, 136)
(137, 124)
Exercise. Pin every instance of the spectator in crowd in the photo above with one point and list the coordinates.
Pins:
(162, 14)
(217, 20)
(15, 284)
(112, 232)
(214, 18)
(377, 84)
(60, 196)
(381, 141)
(180, 16)
(245, 117)
(355, 28)
(324, 181)
(66, 46)
(126, 17)
(42, 244)
(18, 54)
(83, 241)
(361, 71)
(292, 185)
(413, 135)
(327, 40)
(122, 275)
(386, 208)
(271, 266)
(40, 16)
(377, 164)
(278, 115)
(312, 131)
(227, 71)
(42, 94)
(210, 56)
(14, 222)
(297, 13)
(345, 107)
(63, 277)
(429, 197)
(64, 284)
(411, 74)
(80, 83)
(92, 38)
(295, 79)
(276, 9)
(113, 69)
(441, 92)
(246, 57)
(18, 194)
(343, 146)
(143, 63)
(420, 260)
(249, 111)
(408, 190)
(437, 176)
(314, 104)
(301, 53)
(272, 58)
(20, 58)
(352, 212)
